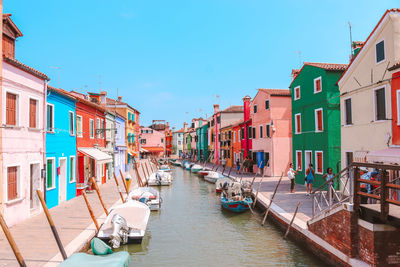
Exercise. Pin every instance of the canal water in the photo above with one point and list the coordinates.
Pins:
(191, 229)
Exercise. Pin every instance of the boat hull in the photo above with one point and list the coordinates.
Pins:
(202, 173)
(211, 179)
(131, 240)
(236, 206)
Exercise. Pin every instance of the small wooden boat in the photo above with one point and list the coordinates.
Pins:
(219, 184)
(212, 176)
(236, 205)
(126, 223)
(177, 163)
(146, 195)
(160, 178)
(203, 173)
(196, 168)
(236, 197)
(187, 165)
(165, 168)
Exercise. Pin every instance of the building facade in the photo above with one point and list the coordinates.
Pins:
(247, 130)
(202, 142)
(120, 144)
(152, 142)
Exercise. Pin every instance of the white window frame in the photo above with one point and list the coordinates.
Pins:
(316, 161)
(294, 96)
(37, 111)
(316, 120)
(79, 133)
(297, 160)
(54, 174)
(97, 132)
(19, 197)
(384, 51)
(315, 84)
(74, 173)
(398, 106)
(311, 160)
(91, 129)
(17, 118)
(345, 112)
(73, 123)
(374, 98)
(295, 123)
(54, 114)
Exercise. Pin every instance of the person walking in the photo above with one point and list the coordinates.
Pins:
(237, 165)
(291, 175)
(328, 177)
(309, 178)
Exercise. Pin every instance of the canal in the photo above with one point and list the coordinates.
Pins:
(191, 229)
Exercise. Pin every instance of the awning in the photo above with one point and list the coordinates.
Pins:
(169, 149)
(143, 150)
(96, 154)
(153, 149)
(387, 156)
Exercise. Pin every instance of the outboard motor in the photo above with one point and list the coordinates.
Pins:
(246, 189)
(120, 231)
(158, 177)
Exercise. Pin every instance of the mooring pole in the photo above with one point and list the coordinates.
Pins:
(147, 170)
(52, 226)
(12, 243)
(291, 222)
(119, 189)
(270, 202)
(99, 195)
(144, 174)
(138, 175)
(90, 210)
(258, 189)
(124, 183)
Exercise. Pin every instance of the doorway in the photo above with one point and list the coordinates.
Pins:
(34, 185)
(308, 159)
(62, 180)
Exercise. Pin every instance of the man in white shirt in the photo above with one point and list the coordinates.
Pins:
(291, 175)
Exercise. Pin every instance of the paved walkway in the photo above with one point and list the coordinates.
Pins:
(34, 237)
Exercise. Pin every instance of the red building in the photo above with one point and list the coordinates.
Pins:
(168, 141)
(90, 141)
(247, 131)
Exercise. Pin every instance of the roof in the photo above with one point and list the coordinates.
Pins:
(110, 101)
(276, 92)
(25, 68)
(153, 148)
(393, 10)
(394, 66)
(6, 17)
(233, 124)
(325, 66)
(81, 99)
(180, 131)
(233, 109)
(61, 92)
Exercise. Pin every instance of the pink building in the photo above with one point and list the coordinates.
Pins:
(152, 142)
(22, 133)
(270, 113)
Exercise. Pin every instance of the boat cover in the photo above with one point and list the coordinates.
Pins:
(118, 259)
(99, 247)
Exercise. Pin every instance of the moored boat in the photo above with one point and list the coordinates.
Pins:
(196, 168)
(146, 195)
(165, 168)
(177, 163)
(219, 184)
(212, 176)
(160, 178)
(236, 197)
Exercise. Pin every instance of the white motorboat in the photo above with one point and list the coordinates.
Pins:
(212, 177)
(160, 178)
(219, 184)
(165, 168)
(125, 223)
(146, 195)
(196, 168)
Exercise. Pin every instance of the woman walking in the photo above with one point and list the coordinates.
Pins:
(328, 177)
(291, 175)
(309, 178)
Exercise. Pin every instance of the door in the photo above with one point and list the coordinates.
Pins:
(307, 160)
(81, 176)
(396, 108)
(62, 180)
(34, 185)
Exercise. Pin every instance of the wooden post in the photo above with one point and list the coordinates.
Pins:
(270, 203)
(147, 170)
(12, 243)
(119, 190)
(123, 182)
(252, 181)
(291, 222)
(99, 195)
(354, 230)
(90, 210)
(52, 226)
(138, 175)
(146, 179)
(384, 195)
(258, 189)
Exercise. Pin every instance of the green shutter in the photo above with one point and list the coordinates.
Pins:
(49, 173)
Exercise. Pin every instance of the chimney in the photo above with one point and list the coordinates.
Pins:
(216, 108)
(103, 97)
(356, 46)
(10, 34)
(295, 72)
(185, 127)
(246, 107)
(119, 99)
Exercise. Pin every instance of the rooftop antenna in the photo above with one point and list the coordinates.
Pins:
(351, 40)
(58, 70)
(300, 63)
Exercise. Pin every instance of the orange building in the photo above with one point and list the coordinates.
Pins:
(236, 142)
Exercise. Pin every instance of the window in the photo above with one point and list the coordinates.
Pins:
(348, 117)
(33, 110)
(380, 51)
(266, 158)
(230, 135)
(254, 132)
(380, 104)
(11, 109)
(261, 131)
(72, 169)
(50, 174)
(102, 128)
(249, 130)
(299, 163)
(12, 183)
(268, 130)
(319, 162)
(234, 137)
(317, 85)
(297, 121)
(242, 133)
(319, 124)
(91, 128)
(71, 123)
(255, 108)
(266, 104)
(79, 131)
(98, 128)
(219, 119)
(50, 118)
(297, 93)
(143, 141)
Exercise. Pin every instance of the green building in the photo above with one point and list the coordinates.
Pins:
(202, 142)
(316, 119)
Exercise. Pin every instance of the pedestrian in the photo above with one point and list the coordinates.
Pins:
(291, 175)
(237, 164)
(328, 177)
(309, 178)
(223, 162)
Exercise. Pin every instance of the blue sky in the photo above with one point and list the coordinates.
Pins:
(170, 59)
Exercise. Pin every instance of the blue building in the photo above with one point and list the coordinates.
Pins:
(60, 147)
(120, 144)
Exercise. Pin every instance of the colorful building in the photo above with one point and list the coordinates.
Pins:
(202, 141)
(152, 142)
(120, 144)
(22, 133)
(271, 116)
(370, 97)
(226, 145)
(60, 147)
(177, 142)
(316, 119)
(168, 141)
(247, 131)
(237, 142)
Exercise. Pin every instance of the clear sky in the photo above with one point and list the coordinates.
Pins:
(171, 58)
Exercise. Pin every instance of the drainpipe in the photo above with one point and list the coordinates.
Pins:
(44, 136)
(1, 109)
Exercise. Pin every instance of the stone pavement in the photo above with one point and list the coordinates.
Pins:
(34, 237)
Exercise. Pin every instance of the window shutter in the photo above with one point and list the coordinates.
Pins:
(380, 104)
(11, 109)
(299, 163)
(266, 104)
(319, 118)
(32, 113)
(298, 123)
(348, 111)
(12, 186)
(319, 162)
(49, 173)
